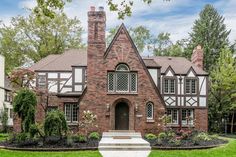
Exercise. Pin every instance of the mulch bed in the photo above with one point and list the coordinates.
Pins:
(50, 144)
(187, 144)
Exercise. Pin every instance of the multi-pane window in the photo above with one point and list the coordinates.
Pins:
(149, 110)
(41, 81)
(8, 96)
(190, 86)
(71, 112)
(169, 86)
(187, 116)
(51, 108)
(122, 80)
(174, 117)
(11, 113)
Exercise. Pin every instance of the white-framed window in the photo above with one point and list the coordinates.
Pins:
(174, 116)
(190, 86)
(169, 86)
(71, 112)
(8, 96)
(122, 80)
(149, 110)
(41, 81)
(187, 116)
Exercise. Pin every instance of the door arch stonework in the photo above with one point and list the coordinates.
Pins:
(131, 113)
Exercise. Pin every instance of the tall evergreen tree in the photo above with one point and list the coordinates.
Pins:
(210, 32)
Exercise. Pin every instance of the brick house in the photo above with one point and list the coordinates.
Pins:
(126, 91)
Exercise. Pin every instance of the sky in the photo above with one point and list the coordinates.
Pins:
(174, 16)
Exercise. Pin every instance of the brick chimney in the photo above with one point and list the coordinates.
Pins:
(197, 57)
(96, 46)
(96, 26)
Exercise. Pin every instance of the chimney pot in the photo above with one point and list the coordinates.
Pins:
(92, 8)
(101, 8)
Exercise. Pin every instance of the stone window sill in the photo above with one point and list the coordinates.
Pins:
(150, 121)
(72, 124)
(122, 93)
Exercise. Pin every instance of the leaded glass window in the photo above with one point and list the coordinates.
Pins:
(149, 109)
(122, 80)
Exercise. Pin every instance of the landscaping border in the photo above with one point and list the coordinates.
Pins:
(48, 149)
(187, 148)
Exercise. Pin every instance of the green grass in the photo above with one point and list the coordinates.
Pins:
(8, 153)
(228, 150)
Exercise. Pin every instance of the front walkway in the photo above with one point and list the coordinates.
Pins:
(123, 144)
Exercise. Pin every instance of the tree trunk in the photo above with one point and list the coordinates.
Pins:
(232, 124)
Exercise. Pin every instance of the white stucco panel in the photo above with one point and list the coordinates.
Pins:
(78, 75)
(153, 73)
(65, 75)
(169, 73)
(202, 101)
(202, 85)
(52, 75)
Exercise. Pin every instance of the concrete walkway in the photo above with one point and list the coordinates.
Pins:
(123, 144)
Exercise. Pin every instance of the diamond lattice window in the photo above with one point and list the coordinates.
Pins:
(122, 80)
(149, 111)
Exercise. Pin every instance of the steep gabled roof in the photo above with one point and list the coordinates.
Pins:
(62, 62)
(180, 65)
(123, 28)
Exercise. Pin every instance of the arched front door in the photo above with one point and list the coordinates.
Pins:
(122, 116)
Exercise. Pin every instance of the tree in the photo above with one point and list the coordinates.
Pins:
(210, 32)
(28, 38)
(223, 90)
(140, 35)
(88, 121)
(50, 7)
(55, 123)
(161, 44)
(4, 118)
(24, 104)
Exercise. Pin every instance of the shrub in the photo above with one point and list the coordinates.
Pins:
(69, 141)
(4, 119)
(214, 137)
(24, 104)
(21, 137)
(204, 136)
(174, 142)
(162, 135)
(55, 123)
(33, 130)
(87, 121)
(94, 135)
(150, 136)
(170, 134)
(82, 138)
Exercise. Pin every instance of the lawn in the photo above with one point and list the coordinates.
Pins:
(228, 150)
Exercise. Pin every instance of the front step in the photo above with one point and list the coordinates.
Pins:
(111, 142)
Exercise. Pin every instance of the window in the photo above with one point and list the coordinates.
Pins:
(8, 96)
(190, 86)
(169, 86)
(85, 75)
(174, 117)
(149, 108)
(71, 112)
(187, 117)
(11, 113)
(41, 81)
(51, 108)
(122, 80)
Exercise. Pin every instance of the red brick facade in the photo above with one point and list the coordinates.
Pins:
(96, 98)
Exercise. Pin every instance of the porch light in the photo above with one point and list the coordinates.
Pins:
(136, 107)
(108, 107)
